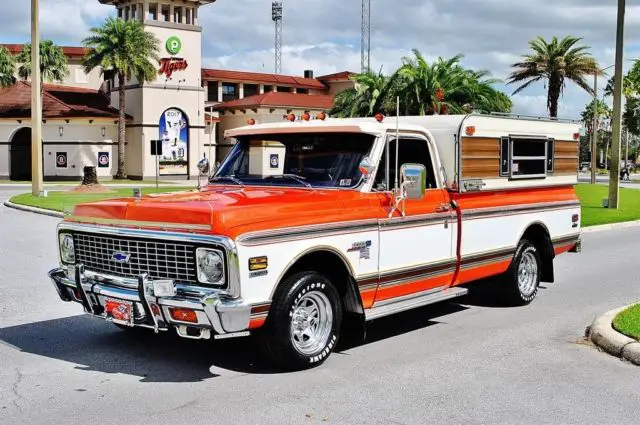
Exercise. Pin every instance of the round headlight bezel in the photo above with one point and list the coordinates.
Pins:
(206, 258)
(66, 246)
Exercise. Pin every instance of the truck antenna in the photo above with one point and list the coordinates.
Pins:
(397, 139)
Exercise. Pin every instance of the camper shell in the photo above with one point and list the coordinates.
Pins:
(476, 152)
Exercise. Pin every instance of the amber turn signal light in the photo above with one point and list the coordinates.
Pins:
(258, 263)
(183, 315)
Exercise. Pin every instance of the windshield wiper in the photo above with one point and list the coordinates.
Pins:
(293, 177)
(228, 178)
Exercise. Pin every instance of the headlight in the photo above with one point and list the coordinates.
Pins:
(210, 266)
(67, 251)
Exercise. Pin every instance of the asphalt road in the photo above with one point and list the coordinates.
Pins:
(468, 362)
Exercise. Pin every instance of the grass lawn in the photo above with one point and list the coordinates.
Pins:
(628, 322)
(65, 201)
(593, 213)
(75, 183)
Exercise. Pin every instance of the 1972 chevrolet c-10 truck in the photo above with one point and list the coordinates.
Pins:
(311, 221)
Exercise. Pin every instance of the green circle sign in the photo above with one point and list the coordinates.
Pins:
(174, 45)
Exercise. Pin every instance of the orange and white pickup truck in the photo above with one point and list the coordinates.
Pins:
(309, 222)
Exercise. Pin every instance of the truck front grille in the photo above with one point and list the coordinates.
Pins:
(128, 257)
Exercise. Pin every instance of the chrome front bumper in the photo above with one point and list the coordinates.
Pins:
(214, 311)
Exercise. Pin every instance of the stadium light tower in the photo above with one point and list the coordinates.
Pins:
(366, 35)
(276, 16)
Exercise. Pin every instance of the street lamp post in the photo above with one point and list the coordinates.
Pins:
(614, 173)
(36, 103)
(594, 130)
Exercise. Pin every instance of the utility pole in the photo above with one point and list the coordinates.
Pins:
(594, 129)
(36, 103)
(614, 174)
(276, 16)
(626, 148)
(366, 36)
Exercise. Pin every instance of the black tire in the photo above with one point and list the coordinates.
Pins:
(514, 292)
(276, 336)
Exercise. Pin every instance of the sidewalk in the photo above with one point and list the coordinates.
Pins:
(107, 183)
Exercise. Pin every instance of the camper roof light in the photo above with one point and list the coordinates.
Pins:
(379, 117)
(576, 136)
(306, 116)
(251, 121)
(291, 117)
(321, 116)
(470, 130)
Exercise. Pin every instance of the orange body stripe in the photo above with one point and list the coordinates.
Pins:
(481, 272)
(385, 293)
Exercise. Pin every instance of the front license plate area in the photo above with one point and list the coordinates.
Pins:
(119, 311)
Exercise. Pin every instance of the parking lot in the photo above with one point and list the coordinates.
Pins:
(460, 362)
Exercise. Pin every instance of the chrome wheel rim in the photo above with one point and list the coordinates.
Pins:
(311, 323)
(528, 273)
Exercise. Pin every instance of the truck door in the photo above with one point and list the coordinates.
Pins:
(417, 254)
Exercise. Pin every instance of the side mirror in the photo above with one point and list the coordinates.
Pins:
(414, 180)
(204, 166)
(366, 167)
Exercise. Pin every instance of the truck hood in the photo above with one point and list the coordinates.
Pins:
(229, 211)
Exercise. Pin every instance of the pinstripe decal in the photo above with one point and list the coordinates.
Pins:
(478, 213)
(359, 226)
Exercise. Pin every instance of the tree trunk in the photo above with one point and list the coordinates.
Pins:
(121, 127)
(553, 96)
(90, 176)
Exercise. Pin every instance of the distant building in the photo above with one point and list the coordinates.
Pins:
(187, 107)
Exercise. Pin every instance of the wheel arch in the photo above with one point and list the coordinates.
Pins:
(335, 266)
(538, 234)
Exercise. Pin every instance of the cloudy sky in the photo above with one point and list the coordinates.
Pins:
(324, 35)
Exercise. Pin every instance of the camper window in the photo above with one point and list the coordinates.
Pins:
(526, 157)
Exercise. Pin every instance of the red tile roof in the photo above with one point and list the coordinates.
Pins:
(344, 75)
(57, 102)
(71, 52)
(279, 100)
(256, 77)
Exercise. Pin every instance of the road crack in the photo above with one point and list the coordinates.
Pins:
(14, 389)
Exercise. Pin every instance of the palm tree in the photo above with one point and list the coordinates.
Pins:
(445, 86)
(424, 89)
(369, 96)
(126, 49)
(53, 63)
(7, 68)
(555, 62)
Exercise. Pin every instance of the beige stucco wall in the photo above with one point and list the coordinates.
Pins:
(78, 78)
(339, 86)
(81, 140)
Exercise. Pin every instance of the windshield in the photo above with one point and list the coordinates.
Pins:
(301, 159)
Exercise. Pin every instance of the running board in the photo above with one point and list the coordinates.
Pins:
(418, 300)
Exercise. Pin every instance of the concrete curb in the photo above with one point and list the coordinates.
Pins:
(602, 334)
(612, 226)
(35, 210)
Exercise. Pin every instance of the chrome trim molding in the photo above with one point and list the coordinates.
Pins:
(477, 213)
(415, 221)
(136, 223)
(303, 232)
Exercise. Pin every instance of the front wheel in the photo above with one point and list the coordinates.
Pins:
(304, 322)
(522, 279)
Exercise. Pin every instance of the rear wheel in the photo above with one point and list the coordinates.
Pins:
(304, 322)
(522, 279)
